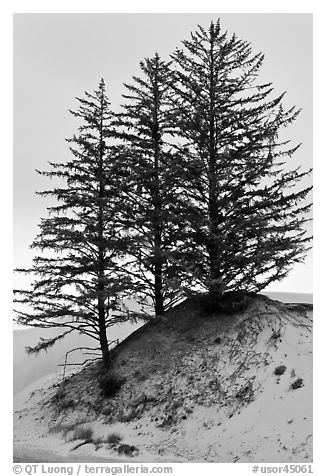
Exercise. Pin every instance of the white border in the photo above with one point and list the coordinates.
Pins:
(168, 6)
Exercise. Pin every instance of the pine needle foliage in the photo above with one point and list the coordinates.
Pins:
(77, 282)
(152, 201)
(190, 186)
(246, 213)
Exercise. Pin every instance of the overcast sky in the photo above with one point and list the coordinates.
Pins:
(59, 56)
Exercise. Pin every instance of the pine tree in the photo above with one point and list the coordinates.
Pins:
(77, 282)
(246, 213)
(151, 193)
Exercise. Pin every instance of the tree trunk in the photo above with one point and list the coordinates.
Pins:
(101, 256)
(159, 304)
(213, 247)
(102, 331)
(157, 222)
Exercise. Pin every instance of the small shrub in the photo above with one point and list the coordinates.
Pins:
(228, 303)
(297, 384)
(245, 393)
(280, 370)
(218, 340)
(128, 450)
(276, 335)
(110, 384)
(82, 434)
(113, 438)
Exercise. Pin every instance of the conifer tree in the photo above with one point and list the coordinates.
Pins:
(151, 199)
(246, 212)
(77, 283)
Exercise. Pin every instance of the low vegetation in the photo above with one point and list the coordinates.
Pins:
(280, 370)
(82, 433)
(297, 384)
(113, 438)
(110, 383)
(229, 303)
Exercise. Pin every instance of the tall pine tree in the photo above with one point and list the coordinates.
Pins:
(245, 215)
(152, 201)
(77, 282)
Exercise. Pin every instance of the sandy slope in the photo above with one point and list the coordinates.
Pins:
(32, 442)
(198, 388)
(30, 368)
(37, 454)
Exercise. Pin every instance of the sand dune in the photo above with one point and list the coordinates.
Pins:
(196, 388)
